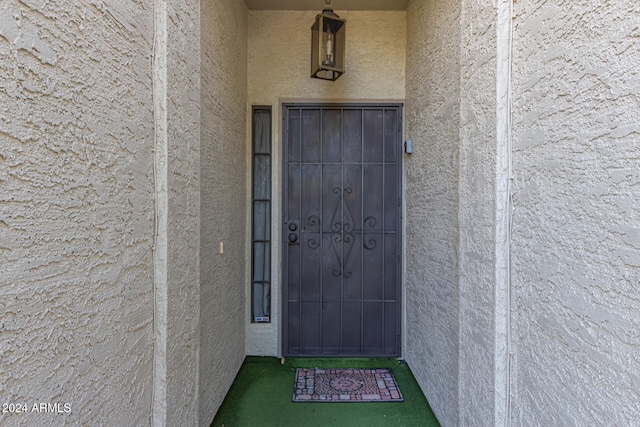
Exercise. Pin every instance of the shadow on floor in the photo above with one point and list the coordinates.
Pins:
(261, 397)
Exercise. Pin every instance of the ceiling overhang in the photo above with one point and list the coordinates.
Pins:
(320, 4)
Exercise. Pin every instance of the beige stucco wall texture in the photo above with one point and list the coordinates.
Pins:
(182, 18)
(223, 200)
(533, 108)
(123, 138)
(431, 199)
(479, 343)
(100, 212)
(279, 69)
(76, 211)
(576, 213)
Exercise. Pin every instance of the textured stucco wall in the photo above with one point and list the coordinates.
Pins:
(279, 68)
(576, 213)
(559, 278)
(476, 213)
(223, 210)
(99, 130)
(183, 210)
(76, 210)
(431, 198)
(457, 249)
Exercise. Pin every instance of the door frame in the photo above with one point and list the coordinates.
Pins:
(283, 309)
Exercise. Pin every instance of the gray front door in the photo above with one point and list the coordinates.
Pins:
(341, 232)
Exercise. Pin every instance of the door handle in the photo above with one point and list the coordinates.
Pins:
(293, 237)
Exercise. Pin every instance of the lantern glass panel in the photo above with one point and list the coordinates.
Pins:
(339, 37)
(315, 47)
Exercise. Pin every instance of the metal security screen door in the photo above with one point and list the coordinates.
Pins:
(341, 232)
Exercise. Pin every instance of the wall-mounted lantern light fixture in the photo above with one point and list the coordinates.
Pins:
(328, 45)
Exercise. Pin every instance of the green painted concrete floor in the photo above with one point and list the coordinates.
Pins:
(261, 397)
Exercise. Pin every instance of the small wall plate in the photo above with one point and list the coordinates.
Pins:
(408, 146)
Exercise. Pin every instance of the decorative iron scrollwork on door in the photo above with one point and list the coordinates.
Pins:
(371, 243)
(313, 222)
(342, 227)
(313, 243)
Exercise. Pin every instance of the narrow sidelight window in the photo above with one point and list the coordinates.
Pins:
(261, 216)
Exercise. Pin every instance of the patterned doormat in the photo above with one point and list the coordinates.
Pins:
(346, 385)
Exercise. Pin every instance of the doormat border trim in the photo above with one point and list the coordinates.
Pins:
(359, 385)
